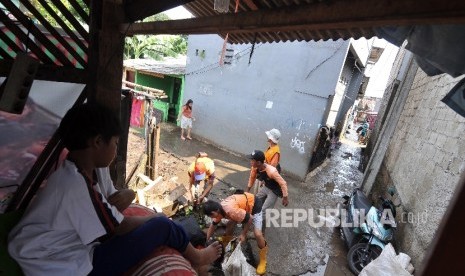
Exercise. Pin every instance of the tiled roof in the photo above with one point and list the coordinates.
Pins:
(168, 66)
(204, 8)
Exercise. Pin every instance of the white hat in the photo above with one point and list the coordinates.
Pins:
(273, 135)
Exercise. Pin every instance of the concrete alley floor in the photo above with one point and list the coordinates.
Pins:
(300, 250)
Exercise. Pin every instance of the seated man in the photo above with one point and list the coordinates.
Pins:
(202, 169)
(74, 226)
(242, 208)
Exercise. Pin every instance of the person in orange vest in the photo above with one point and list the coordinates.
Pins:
(244, 208)
(272, 156)
(273, 153)
(202, 169)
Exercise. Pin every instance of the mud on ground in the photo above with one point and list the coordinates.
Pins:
(299, 250)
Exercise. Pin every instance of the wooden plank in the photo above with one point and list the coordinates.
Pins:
(10, 43)
(5, 55)
(64, 26)
(157, 149)
(177, 192)
(151, 183)
(54, 32)
(23, 37)
(149, 139)
(158, 75)
(251, 4)
(38, 34)
(50, 72)
(109, 57)
(84, 16)
(316, 16)
(71, 19)
(146, 88)
(141, 197)
(125, 117)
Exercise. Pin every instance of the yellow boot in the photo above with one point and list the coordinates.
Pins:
(261, 268)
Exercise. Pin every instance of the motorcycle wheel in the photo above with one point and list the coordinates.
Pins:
(359, 257)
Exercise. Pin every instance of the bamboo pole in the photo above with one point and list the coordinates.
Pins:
(157, 149)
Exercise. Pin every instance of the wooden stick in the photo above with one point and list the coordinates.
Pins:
(157, 149)
(151, 183)
(157, 92)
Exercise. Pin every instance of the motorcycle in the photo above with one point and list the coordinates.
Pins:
(366, 229)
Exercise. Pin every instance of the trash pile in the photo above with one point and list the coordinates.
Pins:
(389, 263)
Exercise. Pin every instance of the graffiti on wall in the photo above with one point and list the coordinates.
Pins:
(299, 141)
(206, 89)
(298, 144)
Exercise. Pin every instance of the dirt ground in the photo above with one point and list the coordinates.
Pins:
(305, 250)
(168, 164)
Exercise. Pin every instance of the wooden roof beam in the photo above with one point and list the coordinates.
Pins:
(251, 4)
(316, 16)
(49, 72)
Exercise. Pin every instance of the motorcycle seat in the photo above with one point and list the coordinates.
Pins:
(361, 201)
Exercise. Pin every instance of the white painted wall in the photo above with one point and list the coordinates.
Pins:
(285, 86)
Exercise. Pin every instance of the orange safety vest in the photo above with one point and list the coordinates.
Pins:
(270, 152)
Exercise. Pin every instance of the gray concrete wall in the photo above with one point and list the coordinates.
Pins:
(285, 86)
(424, 160)
(354, 75)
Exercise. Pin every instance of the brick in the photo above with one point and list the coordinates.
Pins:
(433, 137)
(441, 140)
(456, 166)
(451, 146)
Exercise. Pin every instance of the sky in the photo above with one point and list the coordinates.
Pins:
(379, 73)
(178, 13)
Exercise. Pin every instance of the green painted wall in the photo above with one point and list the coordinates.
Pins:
(167, 84)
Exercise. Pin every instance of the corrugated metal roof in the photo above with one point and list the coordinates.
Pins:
(168, 66)
(204, 8)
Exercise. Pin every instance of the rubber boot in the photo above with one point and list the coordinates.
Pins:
(261, 268)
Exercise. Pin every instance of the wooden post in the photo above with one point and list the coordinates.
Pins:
(157, 148)
(152, 152)
(106, 65)
(149, 149)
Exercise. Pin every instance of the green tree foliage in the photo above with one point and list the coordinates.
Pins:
(137, 46)
(155, 46)
(44, 11)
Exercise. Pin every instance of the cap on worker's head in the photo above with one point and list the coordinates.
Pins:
(273, 135)
(200, 171)
(257, 155)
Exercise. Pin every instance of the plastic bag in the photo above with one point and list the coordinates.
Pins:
(235, 264)
(387, 264)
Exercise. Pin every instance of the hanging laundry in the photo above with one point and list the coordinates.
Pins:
(137, 106)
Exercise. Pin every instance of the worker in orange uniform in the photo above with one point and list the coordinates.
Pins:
(272, 156)
(273, 153)
(274, 185)
(244, 208)
(202, 169)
